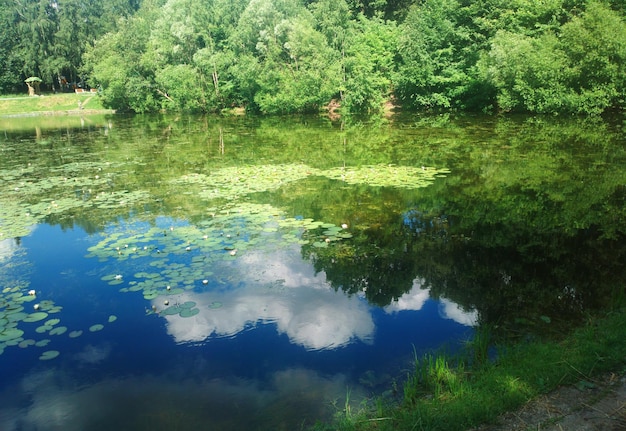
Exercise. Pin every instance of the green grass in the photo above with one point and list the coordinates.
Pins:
(454, 393)
(49, 104)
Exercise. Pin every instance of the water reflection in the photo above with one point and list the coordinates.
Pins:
(53, 399)
(528, 226)
(417, 297)
(278, 287)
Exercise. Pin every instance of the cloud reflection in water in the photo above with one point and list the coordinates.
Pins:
(301, 304)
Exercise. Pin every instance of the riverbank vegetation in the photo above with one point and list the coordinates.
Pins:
(463, 391)
(286, 56)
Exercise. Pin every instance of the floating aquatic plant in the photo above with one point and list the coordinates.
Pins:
(50, 354)
(387, 175)
(30, 194)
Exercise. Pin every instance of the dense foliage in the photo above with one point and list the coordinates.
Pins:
(284, 56)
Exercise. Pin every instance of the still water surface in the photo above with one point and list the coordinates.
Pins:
(243, 273)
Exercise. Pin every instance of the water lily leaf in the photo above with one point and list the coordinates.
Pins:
(75, 334)
(189, 312)
(172, 310)
(43, 328)
(50, 354)
(36, 317)
(112, 318)
(59, 330)
(11, 334)
(95, 328)
(25, 343)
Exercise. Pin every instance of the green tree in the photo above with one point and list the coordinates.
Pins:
(116, 64)
(437, 57)
(369, 64)
(579, 69)
(595, 44)
(528, 72)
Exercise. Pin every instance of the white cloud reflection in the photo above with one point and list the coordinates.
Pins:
(302, 305)
(54, 400)
(415, 299)
(452, 310)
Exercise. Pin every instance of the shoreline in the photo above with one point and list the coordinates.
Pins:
(59, 113)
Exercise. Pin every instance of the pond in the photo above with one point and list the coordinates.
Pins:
(182, 272)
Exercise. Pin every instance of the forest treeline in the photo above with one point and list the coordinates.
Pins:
(287, 56)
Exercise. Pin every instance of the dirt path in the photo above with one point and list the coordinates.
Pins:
(594, 405)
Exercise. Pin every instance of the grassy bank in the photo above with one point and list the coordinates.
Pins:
(444, 393)
(53, 104)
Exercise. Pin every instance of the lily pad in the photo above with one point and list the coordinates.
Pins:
(189, 312)
(75, 334)
(170, 311)
(11, 334)
(59, 330)
(43, 328)
(95, 328)
(112, 318)
(36, 317)
(49, 354)
(25, 343)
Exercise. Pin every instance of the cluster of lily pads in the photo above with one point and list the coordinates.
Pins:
(409, 177)
(222, 236)
(234, 182)
(20, 308)
(28, 195)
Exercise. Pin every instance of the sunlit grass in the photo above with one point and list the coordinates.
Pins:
(53, 103)
(445, 393)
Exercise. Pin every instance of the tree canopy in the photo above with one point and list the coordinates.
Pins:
(286, 56)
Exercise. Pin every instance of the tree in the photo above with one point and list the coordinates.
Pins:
(578, 69)
(436, 57)
(369, 64)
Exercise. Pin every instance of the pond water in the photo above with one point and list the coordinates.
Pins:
(180, 272)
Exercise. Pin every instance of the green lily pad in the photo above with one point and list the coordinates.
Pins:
(112, 318)
(42, 343)
(25, 343)
(36, 317)
(95, 328)
(215, 304)
(43, 328)
(49, 354)
(150, 295)
(189, 312)
(59, 330)
(11, 334)
(172, 310)
(75, 334)
(52, 322)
